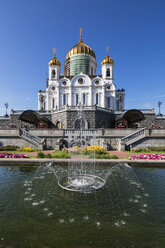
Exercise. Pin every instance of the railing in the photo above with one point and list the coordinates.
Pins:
(30, 137)
(131, 138)
(88, 133)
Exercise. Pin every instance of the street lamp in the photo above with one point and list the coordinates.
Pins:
(159, 104)
(6, 106)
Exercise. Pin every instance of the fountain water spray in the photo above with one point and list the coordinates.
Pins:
(81, 176)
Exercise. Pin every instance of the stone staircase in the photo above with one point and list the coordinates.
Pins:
(26, 135)
(133, 137)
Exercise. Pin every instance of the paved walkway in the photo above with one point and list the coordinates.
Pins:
(122, 154)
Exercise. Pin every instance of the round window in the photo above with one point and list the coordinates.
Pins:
(80, 80)
(53, 88)
(64, 83)
(97, 82)
(108, 87)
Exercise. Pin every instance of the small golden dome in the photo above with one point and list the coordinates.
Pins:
(108, 59)
(54, 61)
(81, 47)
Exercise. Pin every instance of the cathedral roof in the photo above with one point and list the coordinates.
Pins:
(81, 47)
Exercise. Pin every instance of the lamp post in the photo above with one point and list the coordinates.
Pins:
(159, 104)
(6, 106)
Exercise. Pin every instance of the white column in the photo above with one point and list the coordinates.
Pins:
(39, 104)
(100, 94)
(70, 103)
(58, 97)
(103, 97)
(90, 96)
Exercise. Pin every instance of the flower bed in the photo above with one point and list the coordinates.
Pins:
(90, 151)
(149, 156)
(12, 155)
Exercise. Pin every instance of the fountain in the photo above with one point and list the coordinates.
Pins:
(81, 176)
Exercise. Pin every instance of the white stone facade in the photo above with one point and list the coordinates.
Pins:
(87, 90)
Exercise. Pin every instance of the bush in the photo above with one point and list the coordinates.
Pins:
(48, 155)
(149, 149)
(61, 154)
(114, 157)
(140, 150)
(26, 149)
(158, 149)
(104, 155)
(40, 155)
(9, 148)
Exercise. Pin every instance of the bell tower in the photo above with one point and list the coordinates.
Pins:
(54, 67)
(107, 66)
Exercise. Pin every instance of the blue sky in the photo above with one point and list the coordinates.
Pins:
(134, 30)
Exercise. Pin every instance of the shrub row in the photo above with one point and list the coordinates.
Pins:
(9, 148)
(103, 156)
(65, 154)
(149, 149)
(57, 154)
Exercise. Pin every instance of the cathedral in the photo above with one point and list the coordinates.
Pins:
(81, 98)
(80, 84)
(102, 103)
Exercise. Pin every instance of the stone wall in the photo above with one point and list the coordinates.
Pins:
(60, 117)
(147, 122)
(4, 122)
(104, 119)
(150, 141)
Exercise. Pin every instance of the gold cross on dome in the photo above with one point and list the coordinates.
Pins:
(54, 49)
(80, 33)
(107, 50)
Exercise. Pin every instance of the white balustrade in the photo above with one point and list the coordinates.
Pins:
(92, 133)
(30, 137)
(131, 138)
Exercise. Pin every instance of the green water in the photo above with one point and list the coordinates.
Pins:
(128, 212)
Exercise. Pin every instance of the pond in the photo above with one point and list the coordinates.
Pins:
(129, 211)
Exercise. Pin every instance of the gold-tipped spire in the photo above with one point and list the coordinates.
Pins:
(107, 50)
(54, 49)
(54, 60)
(80, 29)
(108, 59)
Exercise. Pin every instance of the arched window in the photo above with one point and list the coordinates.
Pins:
(91, 70)
(53, 73)
(53, 103)
(58, 124)
(103, 124)
(84, 99)
(64, 99)
(76, 99)
(108, 72)
(97, 99)
(108, 102)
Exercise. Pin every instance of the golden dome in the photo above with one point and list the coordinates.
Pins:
(81, 47)
(108, 59)
(54, 61)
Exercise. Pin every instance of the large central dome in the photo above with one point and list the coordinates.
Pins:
(80, 58)
(80, 48)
